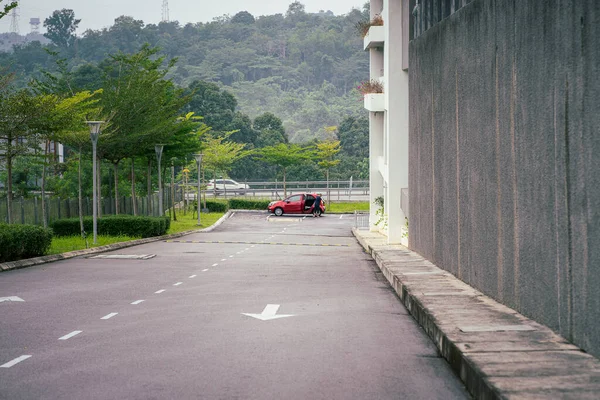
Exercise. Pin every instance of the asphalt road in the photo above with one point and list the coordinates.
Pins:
(326, 324)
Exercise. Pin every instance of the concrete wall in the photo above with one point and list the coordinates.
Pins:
(505, 156)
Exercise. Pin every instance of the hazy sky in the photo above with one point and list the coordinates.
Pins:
(96, 14)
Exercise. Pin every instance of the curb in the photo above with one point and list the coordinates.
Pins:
(30, 262)
(497, 352)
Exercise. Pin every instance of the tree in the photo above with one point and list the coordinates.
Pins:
(217, 106)
(19, 111)
(220, 154)
(61, 27)
(243, 17)
(142, 107)
(284, 155)
(7, 8)
(325, 152)
(271, 131)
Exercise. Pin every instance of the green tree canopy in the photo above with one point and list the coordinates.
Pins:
(61, 27)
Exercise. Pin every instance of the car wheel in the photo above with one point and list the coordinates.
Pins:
(279, 211)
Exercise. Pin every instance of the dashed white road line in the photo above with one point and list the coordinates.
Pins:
(205, 269)
(177, 284)
(135, 303)
(223, 259)
(70, 335)
(193, 276)
(252, 246)
(231, 256)
(159, 291)
(341, 216)
(109, 316)
(215, 264)
(15, 361)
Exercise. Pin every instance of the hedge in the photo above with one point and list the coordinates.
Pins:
(244, 204)
(23, 241)
(116, 225)
(214, 206)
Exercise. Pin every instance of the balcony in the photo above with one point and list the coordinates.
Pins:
(375, 102)
(375, 37)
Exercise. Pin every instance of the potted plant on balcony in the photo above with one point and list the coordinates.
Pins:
(362, 27)
(372, 92)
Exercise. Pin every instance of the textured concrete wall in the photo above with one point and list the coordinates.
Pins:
(505, 156)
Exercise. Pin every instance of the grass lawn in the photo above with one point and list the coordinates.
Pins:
(347, 207)
(72, 243)
(189, 222)
(183, 223)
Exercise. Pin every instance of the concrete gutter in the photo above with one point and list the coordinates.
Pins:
(30, 262)
(497, 352)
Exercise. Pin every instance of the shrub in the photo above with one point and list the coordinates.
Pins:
(244, 204)
(23, 241)
(115, 225)
(214, 206)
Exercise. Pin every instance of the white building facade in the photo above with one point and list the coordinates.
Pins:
(388, 118)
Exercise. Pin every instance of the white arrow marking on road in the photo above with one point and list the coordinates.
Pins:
(269, 313)
(15, 361)
(11, 298)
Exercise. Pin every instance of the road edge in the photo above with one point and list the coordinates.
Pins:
(30, 262)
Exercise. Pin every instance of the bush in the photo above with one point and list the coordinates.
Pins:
(23, 241)
(115, 225)
(214, 206)
(244, 204)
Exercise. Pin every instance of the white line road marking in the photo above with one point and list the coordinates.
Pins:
(231, 256)
(238, 252)
(252, 246)
(232, 214)
(215, 264)
(177, 284)
(15, 361)
(159, 291)
(247, 248)
(70, 335)
(341, 216)
(109, 315)
(204, 270)
(193, 276)
(223, 259)
(135, 303)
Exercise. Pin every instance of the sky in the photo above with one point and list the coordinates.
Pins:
(97, 14)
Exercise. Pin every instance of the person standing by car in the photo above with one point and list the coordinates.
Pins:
(317, 206)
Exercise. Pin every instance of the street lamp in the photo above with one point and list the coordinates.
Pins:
(159, 149)
(199, 162)
(94, 135)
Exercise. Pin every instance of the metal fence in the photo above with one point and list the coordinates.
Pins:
(336, 190)
(29, 210)
(361, 219)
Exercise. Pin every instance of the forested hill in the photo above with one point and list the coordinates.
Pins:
(302, 67)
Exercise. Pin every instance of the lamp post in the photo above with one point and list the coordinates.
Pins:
(199, 162)
(159, 149)
(94, 135)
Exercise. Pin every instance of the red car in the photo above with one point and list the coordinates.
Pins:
(295, 204)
